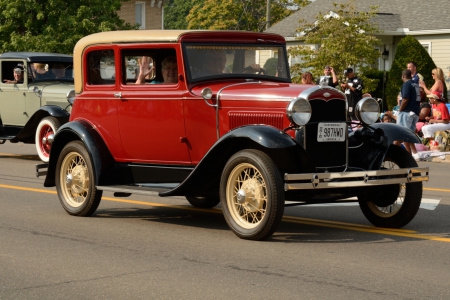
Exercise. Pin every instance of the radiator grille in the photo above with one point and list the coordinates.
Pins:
(244, 118)
(325, 154)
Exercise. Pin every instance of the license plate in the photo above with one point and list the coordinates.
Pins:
(331, 132)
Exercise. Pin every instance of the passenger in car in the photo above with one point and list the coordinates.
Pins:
(18, 75)
(40, 71)
(58, 71)
(169, 70)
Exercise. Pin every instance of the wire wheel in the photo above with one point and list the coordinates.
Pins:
(75, 180)
(393, 205)
(252, 195)
(389, 205)
(45, 133)
(75, 175)
(247, 195)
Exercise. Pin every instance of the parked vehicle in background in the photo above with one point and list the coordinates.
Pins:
(35, 90)
(227, 131)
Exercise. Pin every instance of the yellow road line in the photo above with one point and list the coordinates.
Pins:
(436, 189)
(289, 219)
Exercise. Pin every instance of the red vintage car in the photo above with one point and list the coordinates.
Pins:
(213, 116)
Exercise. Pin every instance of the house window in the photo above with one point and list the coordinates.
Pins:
(427, 46)
(140, 14)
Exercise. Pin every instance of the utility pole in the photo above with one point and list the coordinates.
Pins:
(268, 15)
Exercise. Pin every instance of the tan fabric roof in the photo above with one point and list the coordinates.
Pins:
(149, 36)
(125, 36)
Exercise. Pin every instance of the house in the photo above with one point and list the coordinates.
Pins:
(148, 13)
(427, 21)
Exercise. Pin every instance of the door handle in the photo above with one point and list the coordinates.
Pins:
(118, 95)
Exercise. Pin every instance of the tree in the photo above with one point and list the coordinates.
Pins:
(55, 25)
(176, 11)
(341, 38)
(408, 49)
(240, 14)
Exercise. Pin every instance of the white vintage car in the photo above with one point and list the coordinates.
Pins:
(36, 90)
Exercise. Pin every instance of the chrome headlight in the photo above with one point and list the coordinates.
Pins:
(71, 97)
(367, 110)
(299, 111)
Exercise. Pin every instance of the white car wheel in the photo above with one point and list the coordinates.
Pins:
(44, 137)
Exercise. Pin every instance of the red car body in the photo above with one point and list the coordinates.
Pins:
(231, 129)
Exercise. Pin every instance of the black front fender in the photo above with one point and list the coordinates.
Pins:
(104, 168)
(287, 154)
(27, 134)
(396, 132)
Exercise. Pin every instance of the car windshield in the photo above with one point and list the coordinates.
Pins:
(246, 61)
(51, 71)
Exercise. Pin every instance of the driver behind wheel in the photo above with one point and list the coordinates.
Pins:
(58, 70)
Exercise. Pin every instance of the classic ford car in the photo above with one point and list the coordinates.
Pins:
(229, 128)
(34, 92)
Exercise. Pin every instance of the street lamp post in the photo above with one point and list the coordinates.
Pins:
(384, 56)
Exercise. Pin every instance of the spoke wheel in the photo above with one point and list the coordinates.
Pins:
(75, 181)
(44, 136)
(393, 205)
(252, 195)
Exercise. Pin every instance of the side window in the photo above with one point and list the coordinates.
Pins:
(13, 72)
(132, 63)
(159, 65)
(101, 67)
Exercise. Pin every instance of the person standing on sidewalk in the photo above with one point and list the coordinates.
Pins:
(329, 78)
(353, 91)
(409, 109)
(415, 77)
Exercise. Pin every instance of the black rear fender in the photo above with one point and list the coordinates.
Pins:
(104, 168)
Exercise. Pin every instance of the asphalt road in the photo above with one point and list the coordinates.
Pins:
(145, 247)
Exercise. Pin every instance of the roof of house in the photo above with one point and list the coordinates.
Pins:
(393, 15)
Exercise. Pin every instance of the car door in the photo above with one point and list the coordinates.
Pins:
(151, 115)
(12, 95)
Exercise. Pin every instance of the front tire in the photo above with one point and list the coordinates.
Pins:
(45, 132)
(75, 181)
(252, 195)
(395, 205)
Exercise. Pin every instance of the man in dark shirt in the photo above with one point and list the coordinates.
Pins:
(353, 91)
(409, 109)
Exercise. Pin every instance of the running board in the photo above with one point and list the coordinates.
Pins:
(143, 189)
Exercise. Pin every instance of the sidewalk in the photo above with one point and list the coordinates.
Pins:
(434, 156)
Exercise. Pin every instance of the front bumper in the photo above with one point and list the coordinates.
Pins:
(310, 181)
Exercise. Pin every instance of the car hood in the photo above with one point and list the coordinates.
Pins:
(53, 87)
(262, 91)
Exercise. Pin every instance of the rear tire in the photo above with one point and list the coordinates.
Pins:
(393, 205)
(45, 132)
(252, 195)
(75, 181)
